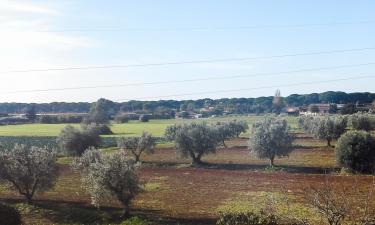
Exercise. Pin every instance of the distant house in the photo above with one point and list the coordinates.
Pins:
(292, 111)
(188, 115)
(315, 109)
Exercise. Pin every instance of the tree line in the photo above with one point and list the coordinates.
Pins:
(167, 108)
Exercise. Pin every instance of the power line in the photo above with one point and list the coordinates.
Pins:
(254, 88)
(191, 80)
(188, 62)
(244, 27)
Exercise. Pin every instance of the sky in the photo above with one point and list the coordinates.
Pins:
(54, 34)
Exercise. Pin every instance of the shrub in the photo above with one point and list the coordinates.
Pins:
(246, 218)
(101, 129)
(9, 215)
(28, 169)
(134, 221)
(121, 118)
(74, 141)
(55, 119)
(144, 118)
(356, 150)
(271, 137)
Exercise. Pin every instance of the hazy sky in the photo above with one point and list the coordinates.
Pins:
(78, 33)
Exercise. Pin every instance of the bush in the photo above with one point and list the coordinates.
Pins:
(134, 221)
(356, 151)
(101, 129)
(74, 141)
(9, 215)
(55, 119)
(144, 118)
(121, 118)
(246, 218)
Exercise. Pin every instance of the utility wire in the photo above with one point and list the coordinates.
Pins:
(191, 80)
(264, 26)
(254, 88)
(189, 62)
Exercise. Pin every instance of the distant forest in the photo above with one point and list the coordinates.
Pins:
(232, 105)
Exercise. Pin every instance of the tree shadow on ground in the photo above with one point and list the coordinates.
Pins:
(61, 212)
(248, 167)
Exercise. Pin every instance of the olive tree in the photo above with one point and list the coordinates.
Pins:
(224, 132)
(195, 140)
(329, 127)
(108, 175)
(362, 121)
(74, 141)
(271, 137)
(238, 127)
(355, 150)
(137, 145)
(28, 169)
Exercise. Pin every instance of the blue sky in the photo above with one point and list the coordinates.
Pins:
(87, 34)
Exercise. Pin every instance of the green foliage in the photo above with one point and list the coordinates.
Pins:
(100, 112)
(121, 118)
(349, 109)
(101, 129)
(247, 218)
(31, 113)
(271, 137)
(9, 142)
(9, 215)
(195, 140)
(135, 221)
(74, 141)
(324, 127)
(55, 119)
(137, 145)
(355, 150)
(362, 121)
(144, 118)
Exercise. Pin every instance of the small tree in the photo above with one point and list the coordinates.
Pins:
(356, 150)
(271, 137)
(224, 132)
(106, 175)
(28, 169)
(343, 203)
(238, 127)
(137, 145)
(195, 140)
(277, 102)
(328, 128)
(74, 141)
(100, 112)
(31, 113)
(170, 132)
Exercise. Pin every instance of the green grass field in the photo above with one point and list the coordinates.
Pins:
(133, 128)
